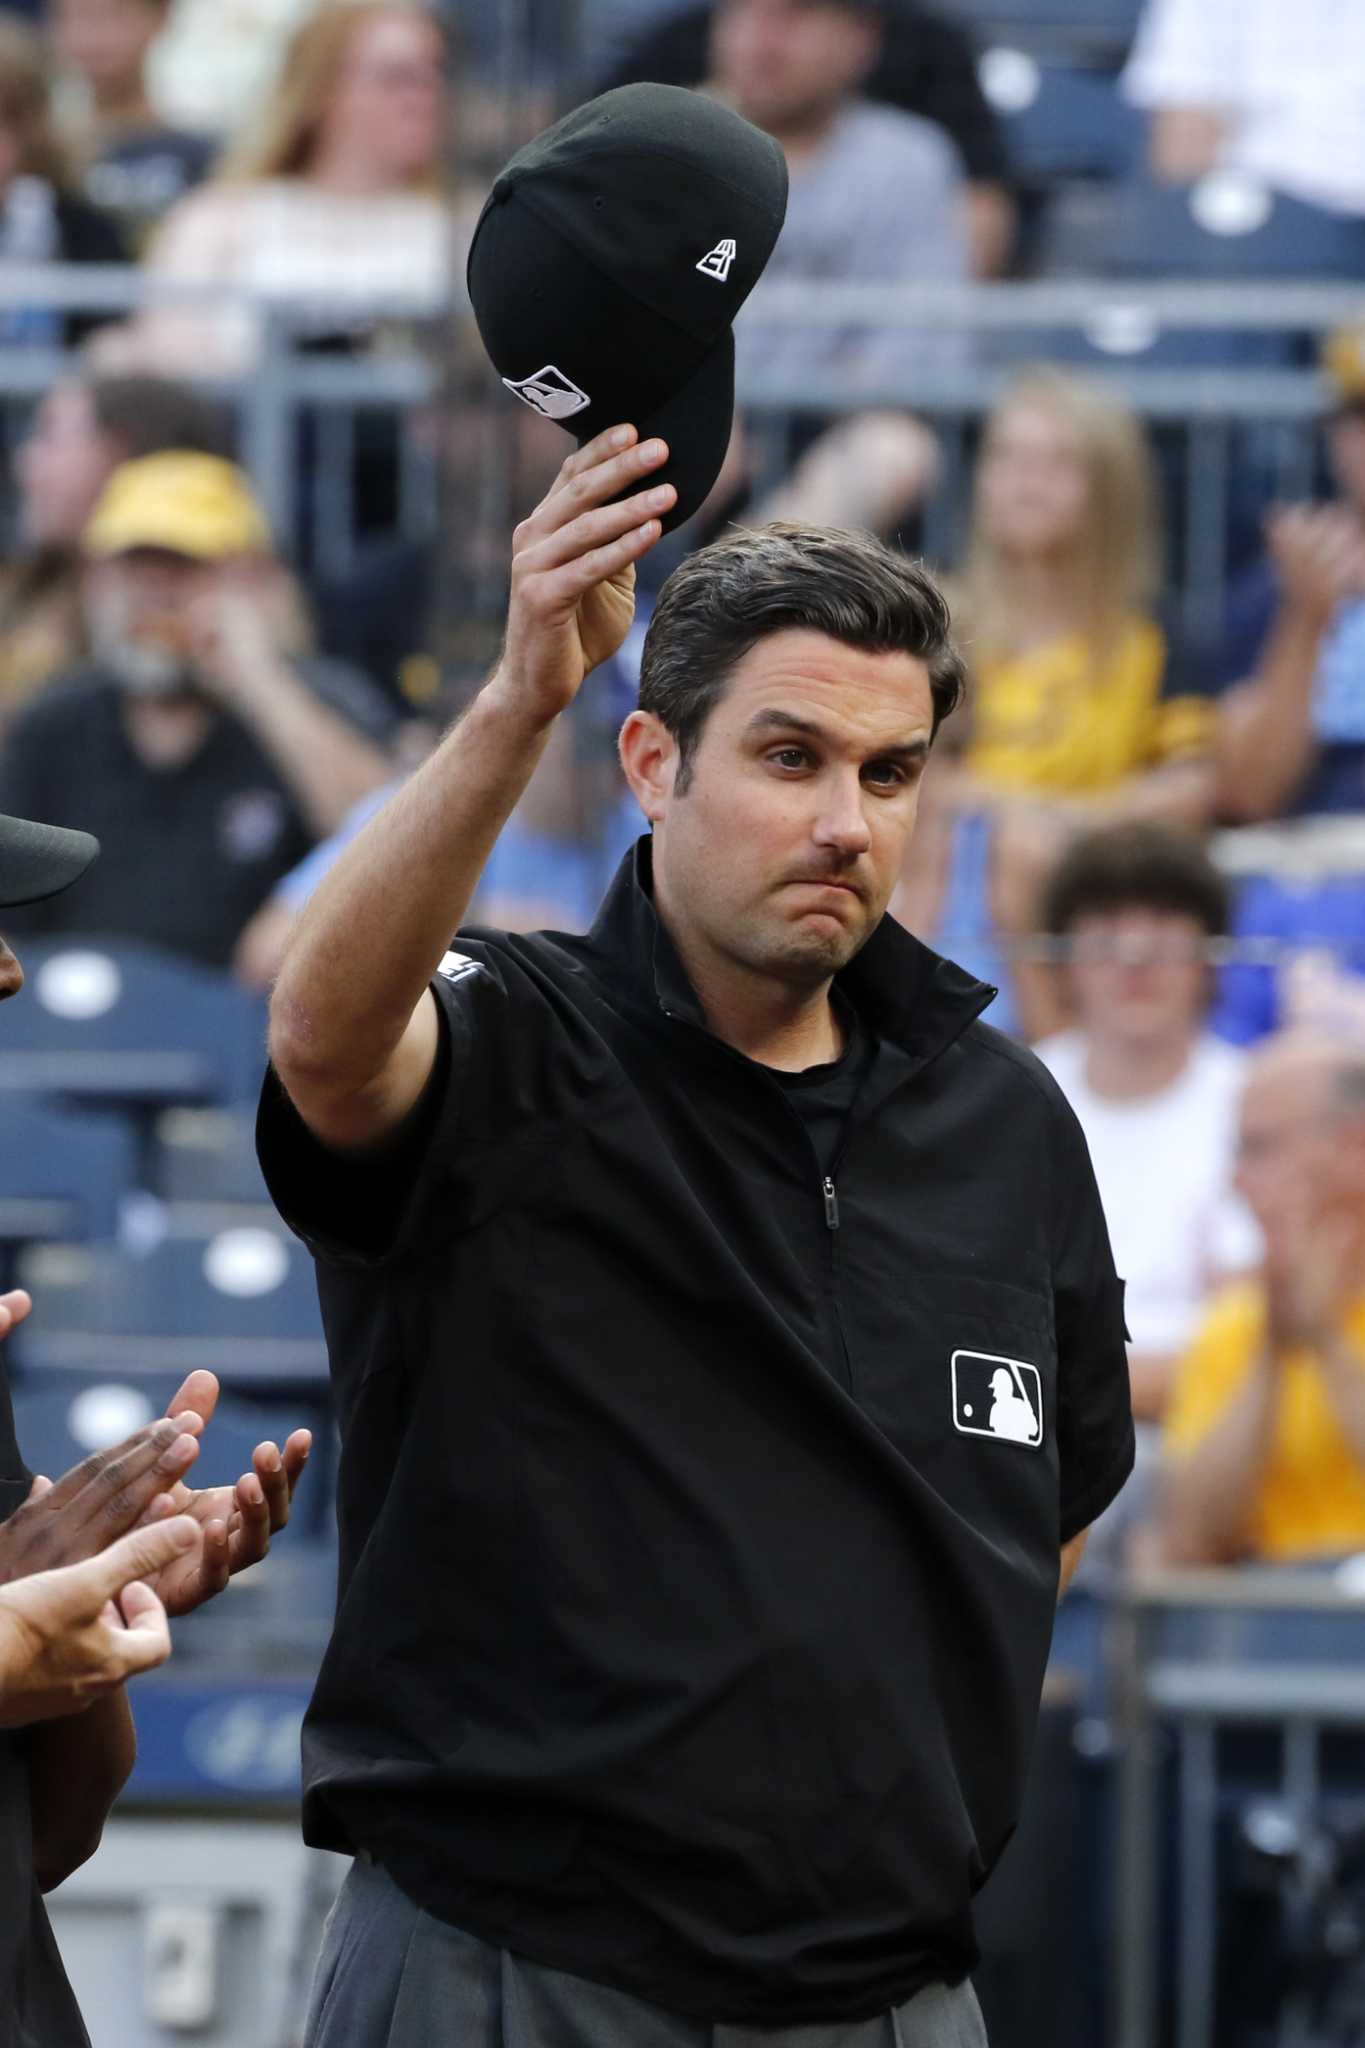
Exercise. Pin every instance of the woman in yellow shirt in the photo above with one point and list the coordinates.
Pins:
(1068, 722)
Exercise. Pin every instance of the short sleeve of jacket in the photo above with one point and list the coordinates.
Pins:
(1094, 1402)
(369, 1209)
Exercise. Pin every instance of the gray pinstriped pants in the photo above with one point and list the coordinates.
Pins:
(391, 1976)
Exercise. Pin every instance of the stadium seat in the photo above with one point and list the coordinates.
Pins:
(243, 1303)
(1093, 31)
(1141, 233)
(1060, 121)
(276, 1618)
(207, 1156)
(118, 1022)
(62, 1174)
(60, 1418)
(1225, 227)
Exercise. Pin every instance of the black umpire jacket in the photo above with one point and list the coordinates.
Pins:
(697, 1565)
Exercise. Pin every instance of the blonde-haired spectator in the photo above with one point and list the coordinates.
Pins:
(1072, 719)
(1056, 603)
(334, 195)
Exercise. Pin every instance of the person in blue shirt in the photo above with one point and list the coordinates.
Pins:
(1292, 736)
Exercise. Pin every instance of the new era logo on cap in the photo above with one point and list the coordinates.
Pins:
(599, 246)
(717, 262)
(997, 1397)
(550, 392)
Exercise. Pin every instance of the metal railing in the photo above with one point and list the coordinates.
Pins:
(1232, 437)
(1234, 432)
(311, 502)
(1196, 1654)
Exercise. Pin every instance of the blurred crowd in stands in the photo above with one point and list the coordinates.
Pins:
(225, 713)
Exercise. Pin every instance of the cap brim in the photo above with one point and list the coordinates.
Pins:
(696, 422)
(37, 861)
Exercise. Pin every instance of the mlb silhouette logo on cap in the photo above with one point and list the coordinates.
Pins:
(609, 261)
(550, 392)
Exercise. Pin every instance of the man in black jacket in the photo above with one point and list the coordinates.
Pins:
(679, 1282)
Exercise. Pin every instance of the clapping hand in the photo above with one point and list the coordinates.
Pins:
(1319, 552)
(70, 1636)
(1311, 1279)
(100, 1499)
(236, 1522)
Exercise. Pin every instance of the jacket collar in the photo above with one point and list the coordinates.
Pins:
(901, 988)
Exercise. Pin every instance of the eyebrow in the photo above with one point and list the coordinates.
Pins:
(788, 721)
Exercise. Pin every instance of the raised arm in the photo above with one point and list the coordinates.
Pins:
(353, 1026)
(1266, 743)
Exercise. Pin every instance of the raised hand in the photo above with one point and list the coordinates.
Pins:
(1319, 551)
(99, 1500)
(235, 1522)
(69, 1636)
(1312, 1278)
(573, 570)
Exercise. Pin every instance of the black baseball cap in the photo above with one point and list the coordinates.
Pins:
(40, 860)
(610, 258)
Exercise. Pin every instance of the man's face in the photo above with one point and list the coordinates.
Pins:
(781, 854)
(785, 63)
(1138, 977)
(1346, 447)
(106, 41)
(138, 610)
(11, 973)
(62, 467)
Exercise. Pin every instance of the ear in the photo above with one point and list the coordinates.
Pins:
(649, 761)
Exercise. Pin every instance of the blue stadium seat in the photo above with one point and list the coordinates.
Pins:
(1061, 121)
(1091, 30)
(61, 1417)
(1143, 233)
(1226, 227)
(125, 1023)
(242, 1303)
(273, 1621)
(207, 1155)
(62, 1174)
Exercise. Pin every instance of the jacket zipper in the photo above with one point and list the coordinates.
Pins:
(829, 1196)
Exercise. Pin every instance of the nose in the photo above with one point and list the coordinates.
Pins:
(842, 825)
(11, 973)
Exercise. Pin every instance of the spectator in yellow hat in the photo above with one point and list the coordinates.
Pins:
(1293, 734)
(202, 744)
(80, 432)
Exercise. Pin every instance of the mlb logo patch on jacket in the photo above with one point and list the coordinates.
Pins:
(997, 1397)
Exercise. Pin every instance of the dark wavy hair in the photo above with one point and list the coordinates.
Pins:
(727, 597)
(1136, 865)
